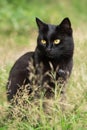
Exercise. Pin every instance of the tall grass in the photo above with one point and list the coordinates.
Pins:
(17, 20)
(41, 113)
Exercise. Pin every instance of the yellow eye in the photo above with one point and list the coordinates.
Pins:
(43, 41)
(57, 41)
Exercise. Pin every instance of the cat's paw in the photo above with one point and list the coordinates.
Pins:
(62, 73)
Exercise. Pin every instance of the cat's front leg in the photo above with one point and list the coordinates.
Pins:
(62, 77)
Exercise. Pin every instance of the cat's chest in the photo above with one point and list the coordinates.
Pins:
(46, 64)
(49, 65)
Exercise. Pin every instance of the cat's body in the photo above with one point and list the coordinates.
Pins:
(54, 45)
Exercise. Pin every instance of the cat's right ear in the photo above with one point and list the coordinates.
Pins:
(41, 25)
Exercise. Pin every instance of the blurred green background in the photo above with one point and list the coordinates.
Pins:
(19, 15)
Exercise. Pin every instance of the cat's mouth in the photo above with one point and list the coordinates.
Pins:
(49, 55)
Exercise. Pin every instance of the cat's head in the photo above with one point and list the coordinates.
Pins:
(55, 41)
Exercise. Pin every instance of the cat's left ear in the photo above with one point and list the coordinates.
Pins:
(66, 23)
(65, 26)
(41, 25)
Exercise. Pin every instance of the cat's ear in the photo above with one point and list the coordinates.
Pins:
(65, 26)
(65, 23)
(41, 25)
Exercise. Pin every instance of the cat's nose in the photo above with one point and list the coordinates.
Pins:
(48, 50)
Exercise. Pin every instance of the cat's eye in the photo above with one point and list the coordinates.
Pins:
(57, 41)
(43, 41)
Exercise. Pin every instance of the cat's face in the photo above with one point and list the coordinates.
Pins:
(55, 41)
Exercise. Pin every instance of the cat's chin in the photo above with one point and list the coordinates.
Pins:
(50, 56)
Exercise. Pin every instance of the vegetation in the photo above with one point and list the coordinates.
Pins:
(18, 34)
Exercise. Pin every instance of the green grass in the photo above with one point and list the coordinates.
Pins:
(17, 36)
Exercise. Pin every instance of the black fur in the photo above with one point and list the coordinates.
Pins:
(59, 55)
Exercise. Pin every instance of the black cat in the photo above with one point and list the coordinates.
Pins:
(54, 45)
